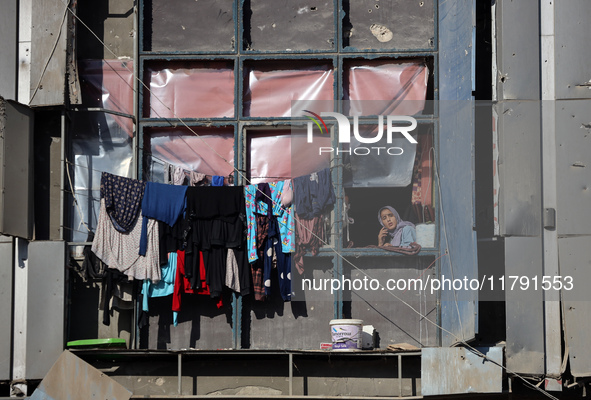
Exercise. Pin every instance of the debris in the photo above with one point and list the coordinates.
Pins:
(382, 33)
(401, 347)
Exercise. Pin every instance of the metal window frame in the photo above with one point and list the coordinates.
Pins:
(339, 56)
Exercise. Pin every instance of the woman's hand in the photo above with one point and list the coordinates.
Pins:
(383, 237)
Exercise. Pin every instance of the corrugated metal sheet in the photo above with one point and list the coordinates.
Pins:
(520, 196)
(456, 169)
(573, 164)
(48, 53)
(575, 261)
(518, 50)
(6, 311)
(72, 378)
(8, 49)
(524, 308)
(16, 170)
(572, 33)
(45, 306)
(458, 370)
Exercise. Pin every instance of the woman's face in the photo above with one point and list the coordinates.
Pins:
(388, 219)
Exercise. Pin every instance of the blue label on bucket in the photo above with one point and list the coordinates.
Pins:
(349, 344)
(345, 337)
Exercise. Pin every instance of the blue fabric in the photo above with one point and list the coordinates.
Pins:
(283, 262)
(164, 203)
(409, 235)
(217, 181)
(165, 286)
(313, 197)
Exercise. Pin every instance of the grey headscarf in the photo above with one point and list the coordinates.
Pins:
(395, 236)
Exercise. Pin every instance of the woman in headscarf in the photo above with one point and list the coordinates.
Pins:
(395, 232)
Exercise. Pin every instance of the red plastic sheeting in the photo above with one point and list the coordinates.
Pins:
(395, 88)
(280, 154)
(108, 84)
(180, 147)
(192, 89)
(269, 93)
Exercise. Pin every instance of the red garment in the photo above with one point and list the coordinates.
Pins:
(183, 285)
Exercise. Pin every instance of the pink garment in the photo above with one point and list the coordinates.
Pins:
(287, 195)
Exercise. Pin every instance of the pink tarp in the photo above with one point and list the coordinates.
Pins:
(108, 84)
(192, 89)
(279, 154)
(270, 93)
(180, 147)
(378, 87)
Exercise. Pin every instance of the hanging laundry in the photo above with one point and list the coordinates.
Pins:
(165, 286)
(313, 194)
(250, 203)
(120, 250)
(217, 181)
(232, 274)
(287, 195)
(164, 203)
(273, 250)
(123, 199)
(178, 176)
(269, 196)
(216, 221)
(257, 267)
(168, 173)
(182, 285)
(195, 178)
(117, 292)
(309, 235)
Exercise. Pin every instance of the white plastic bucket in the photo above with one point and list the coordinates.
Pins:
(346, 334)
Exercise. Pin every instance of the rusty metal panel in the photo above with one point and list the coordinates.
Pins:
(573, 70)
(520, 169)
(573, 164)
(48, 53)
(575, 261)
(395, 24)
(518, 50)
(456, 168)
(456, 370)
(72, 378)
(6, 311)
(302, 323)
(8, 49)
(45, 306)
(289, 25)
(524, 308)
(16, 171)
(204, 25)
(396, 322)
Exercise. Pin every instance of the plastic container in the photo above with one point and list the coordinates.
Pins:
(346, 334)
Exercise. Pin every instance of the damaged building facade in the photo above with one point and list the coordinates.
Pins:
(496, 186)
